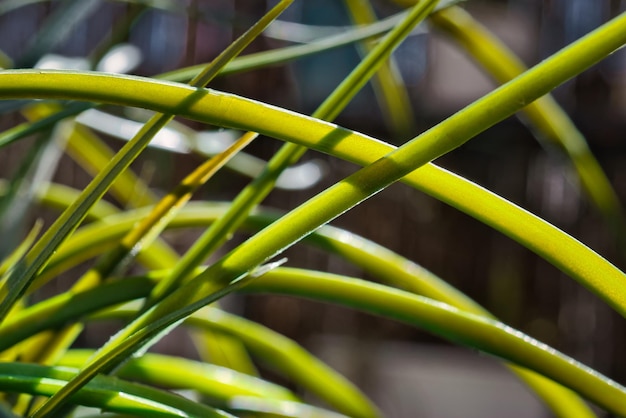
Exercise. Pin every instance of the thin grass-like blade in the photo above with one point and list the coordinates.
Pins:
(274, 349)
(344, 195)
(458, 326)
(569, 255)
(595, 45)
(547, 119)
(285, 356)
(70, 219)
(261, 186)
(126, 155)
(279, 56)
(392, 94)
(107, 393)
(217, 383)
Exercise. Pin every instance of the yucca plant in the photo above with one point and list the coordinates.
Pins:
(44, 374)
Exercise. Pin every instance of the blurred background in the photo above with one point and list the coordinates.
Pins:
(408, 372)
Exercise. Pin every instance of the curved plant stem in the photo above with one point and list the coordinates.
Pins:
(389, 88)
(351, 191)
(560, 249)
(118, 353)
(279, 56)
(218, 383)
(282, 353)
(63, 227)
(458, 326)
(263, 184)
(239, 64)
(446, 136)
(227, 110)
(492, 210)
(545, 115)
(107, 393)
(71, 218)
(168, 207)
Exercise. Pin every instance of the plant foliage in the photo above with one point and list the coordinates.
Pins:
(44, 374)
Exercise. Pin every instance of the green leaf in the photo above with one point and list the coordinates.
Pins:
(70, 219)
(548, 120)
(282, 353)
(260, 187)
(219, 384)
(566, 253)
(391, 93)
(108, 393)
(63, 227)
(611, 36)
(279, 56)
(458, 326)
